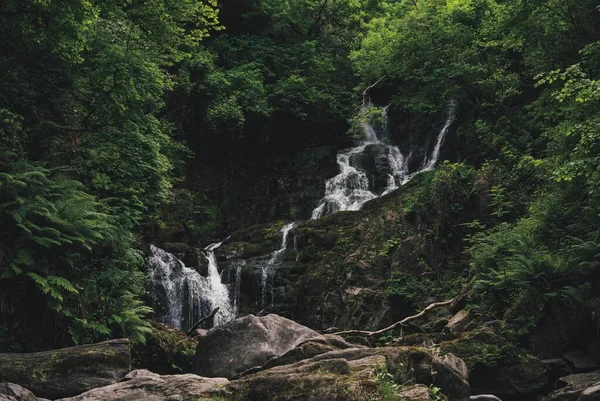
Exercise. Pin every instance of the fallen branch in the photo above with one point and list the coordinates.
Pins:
(399, 323)
(364, 94)
(199, 322)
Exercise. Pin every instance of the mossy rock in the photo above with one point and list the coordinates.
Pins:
(167, 351)
(497, 367)
(246, 250)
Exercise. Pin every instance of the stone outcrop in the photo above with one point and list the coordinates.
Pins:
(577, 387)
(497, 367)
(14, 392)
(306, 350)
(458, 322)
(580, 362)
(246, 343)
(68, 371)
(352, 375)
(148, 386)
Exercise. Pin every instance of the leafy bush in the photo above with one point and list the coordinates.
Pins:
(65, 258)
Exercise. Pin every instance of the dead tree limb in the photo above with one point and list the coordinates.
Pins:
(364, 94)
(399, 323)
(202, 320)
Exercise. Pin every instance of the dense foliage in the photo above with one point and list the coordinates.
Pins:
(525, 77)
(102, 101)
(85, 158)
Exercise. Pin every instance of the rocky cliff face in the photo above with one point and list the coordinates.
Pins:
(351, 269)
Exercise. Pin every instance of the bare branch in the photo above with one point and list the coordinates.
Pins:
(399, 323)
(364, 94)
(199, 322)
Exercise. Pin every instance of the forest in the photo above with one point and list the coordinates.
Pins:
(180, 123)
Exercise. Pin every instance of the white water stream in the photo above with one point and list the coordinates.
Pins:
(188, 295)
(349, 190)
(185, 296)
(268, 268)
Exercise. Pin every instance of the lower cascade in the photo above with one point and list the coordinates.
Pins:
(351, 189)
(267, 270)
(181, 295)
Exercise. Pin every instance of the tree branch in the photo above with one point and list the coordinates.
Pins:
(364, 94)
(202, 320)
(399, 323)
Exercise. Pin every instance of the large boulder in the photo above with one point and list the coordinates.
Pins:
(458, 322)
(68, 371)
(497, 367)
(246, 343)
(577, 387)
(580, 362)
(591, 393)
(356, 374)
(148, 386)
(14, 392)
(306, 350)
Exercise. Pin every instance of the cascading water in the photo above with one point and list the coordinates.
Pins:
(268, 268)
(219, 294)
(350, 189)
(183, 295)
(430, 163)
(237, 286)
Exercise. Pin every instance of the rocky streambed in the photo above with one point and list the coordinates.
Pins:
(274, 358)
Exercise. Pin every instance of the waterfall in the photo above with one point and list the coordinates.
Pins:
(268, 268)
(398, 167)
(219, 294)
(237, 286)
(350, 190)
(430, 164)
(183, 294)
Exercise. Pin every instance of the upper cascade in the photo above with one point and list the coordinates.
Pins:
(351, 188)
(181, 295)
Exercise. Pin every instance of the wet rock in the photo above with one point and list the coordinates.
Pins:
(484, 397)
(305, 350)
(580, 362)
(457, 364)
(438, 325)
(458, 322)
(176, 247)
(148, 386)
(578, 381)
(247, 342)
(571, 387)
(591, 394)
(68, 371)
(556, 368)
(14, 392)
